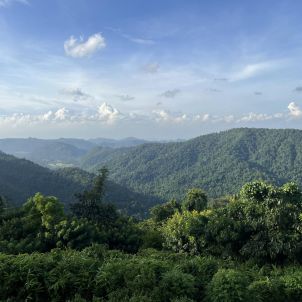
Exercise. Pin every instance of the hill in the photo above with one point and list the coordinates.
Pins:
(20, 179)
(220, 163)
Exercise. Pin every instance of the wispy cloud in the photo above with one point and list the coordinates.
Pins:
(5, 3)
(221, 79)
(79, 48)
(151, 68)
(252, 70)
(137, 40)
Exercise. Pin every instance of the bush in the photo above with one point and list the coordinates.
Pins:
(267, 290)
(292, 282)
(228, 285)
(176, 284)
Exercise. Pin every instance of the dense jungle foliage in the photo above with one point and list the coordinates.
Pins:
(246, 247)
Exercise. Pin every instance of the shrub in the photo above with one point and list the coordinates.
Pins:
(228, 285)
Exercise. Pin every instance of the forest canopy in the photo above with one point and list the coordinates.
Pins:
(247, 248)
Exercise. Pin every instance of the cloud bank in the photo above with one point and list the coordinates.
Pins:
(108, 115)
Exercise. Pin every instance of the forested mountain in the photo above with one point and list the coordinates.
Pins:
(121, 143)
(220, 163)
(62, 152)
(20, 179)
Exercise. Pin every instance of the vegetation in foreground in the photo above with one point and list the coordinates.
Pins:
(245, 247)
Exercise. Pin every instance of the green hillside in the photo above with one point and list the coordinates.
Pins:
(20, 179)
(220, 163)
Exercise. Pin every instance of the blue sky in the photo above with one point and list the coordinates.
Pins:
(152, 69)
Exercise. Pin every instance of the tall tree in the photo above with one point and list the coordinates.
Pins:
(90, 203)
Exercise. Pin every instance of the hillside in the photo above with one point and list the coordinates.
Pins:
(220, 163)
(20, 179)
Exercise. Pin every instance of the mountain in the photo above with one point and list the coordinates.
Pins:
(20, 179)
(121, 143)
(62, 152)
(220, 163)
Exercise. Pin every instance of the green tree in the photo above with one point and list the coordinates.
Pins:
(196, 199)
(162, 212)
(90, 203)
(185, 232)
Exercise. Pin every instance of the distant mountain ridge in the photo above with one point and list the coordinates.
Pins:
(62, 152)
(220, 163)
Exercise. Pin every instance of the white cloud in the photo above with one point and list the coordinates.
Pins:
(81, 48)
(5, 3)
(294, 110)
(202, 117)
(61, 114)
(108, 113)
(254, 117)
(165, 116)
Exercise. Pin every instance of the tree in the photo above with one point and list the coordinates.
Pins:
(162, 212)
(195, 199)
(90, 203)
(185, 232)
(263, 223)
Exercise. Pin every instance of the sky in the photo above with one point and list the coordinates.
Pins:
(156, 69)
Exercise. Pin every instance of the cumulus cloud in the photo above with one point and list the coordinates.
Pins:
(108, 113)
(165, 116)
(202, 117)
(294, 110)
(151, 68)
(255, 117)
(170, 93)
(5, 3)
(79, 48)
